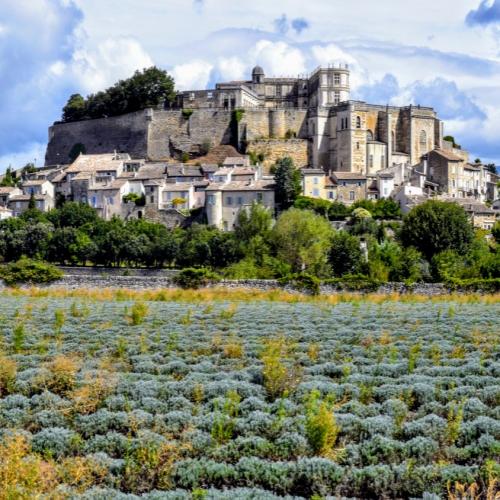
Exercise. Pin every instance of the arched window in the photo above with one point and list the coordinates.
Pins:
(423, 138)
(369, 135)
(358, 122)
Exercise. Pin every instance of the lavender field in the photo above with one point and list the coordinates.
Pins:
(118, 398)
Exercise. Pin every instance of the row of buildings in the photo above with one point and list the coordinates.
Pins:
(117, 185)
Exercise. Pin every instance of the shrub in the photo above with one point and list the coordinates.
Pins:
(8, 371)
(55, 442)
(29, 271)
(138, 313)
(279, 378)
(320, 427)
(303, 282)
(195, 277)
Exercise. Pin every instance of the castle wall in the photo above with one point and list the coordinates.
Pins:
(273, 123)
(274, 149)
(126, 133)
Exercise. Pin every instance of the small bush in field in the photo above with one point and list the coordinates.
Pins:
(138, 313)
(321, 428)
(29, 271)
(8, 371)
(18, 338)
(279, 377)
(61, 376)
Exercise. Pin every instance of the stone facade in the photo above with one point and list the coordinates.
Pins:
(274, 149)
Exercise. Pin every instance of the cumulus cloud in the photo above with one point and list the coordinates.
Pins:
(192, 75)
(487, 13)
(40, 37)
(112, 60)
(279, 58)
(443, 95)
(282, 24)
(379, 92)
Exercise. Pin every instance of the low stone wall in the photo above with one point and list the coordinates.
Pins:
(150, 279)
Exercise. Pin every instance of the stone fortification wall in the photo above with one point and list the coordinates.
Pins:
(126, 133)
(274, 149)
(162, 135)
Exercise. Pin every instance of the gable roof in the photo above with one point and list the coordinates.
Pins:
(96, 163)
(447, 155)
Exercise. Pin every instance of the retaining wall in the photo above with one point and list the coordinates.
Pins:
(152, 279)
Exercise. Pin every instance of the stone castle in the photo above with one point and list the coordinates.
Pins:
(310, 118)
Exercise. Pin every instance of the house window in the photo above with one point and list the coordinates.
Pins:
(260, 197)
(369, 135)
(357, 146)
(210, 95)
(337, 79)
(351, 195)
(336, 98)
(358, 122)
(240, 200)
(315, 180)
(370, 161)
(191, 96)
(110, 200)
(382, 160)
(94, 201)
(152, 199)
(315, 192)
(211, 199)
(229, 200)
(331, 195)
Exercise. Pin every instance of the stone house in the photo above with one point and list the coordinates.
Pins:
(6, 194)
(20, 203)
(108, 199)
(314, 183)
(348, 187)
(224, 201)
(38, 187)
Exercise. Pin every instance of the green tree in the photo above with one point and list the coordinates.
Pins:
(146, 88)
(321, 207)
(254, 222)
(72, 214)
(75, 108)
(345, 255)
(436, 226)
(302, 239)
(8, 179)
(288, 182)
(496, 231)
(32, 202)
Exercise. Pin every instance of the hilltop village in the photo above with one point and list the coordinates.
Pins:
(210, 154)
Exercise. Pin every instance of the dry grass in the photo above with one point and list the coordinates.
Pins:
(240, 295)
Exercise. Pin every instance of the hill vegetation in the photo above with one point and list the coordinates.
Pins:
(146, 88)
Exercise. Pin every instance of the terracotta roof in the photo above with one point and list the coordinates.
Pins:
(345, 176)
(447, 154)
(242, 186)
(59, 177)
(312, 171)
(7, 189)
(237, 160)
(112, 186)
(181, 186)
(96, 163)
(183, 171)
(152, 171)
(27, 197)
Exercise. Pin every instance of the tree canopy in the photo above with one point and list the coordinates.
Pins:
(288, 182)
(144, 89)
(436, 226)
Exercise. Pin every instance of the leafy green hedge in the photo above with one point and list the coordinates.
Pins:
(303, 282)
(354, 282)
(29, 271)
(191, 277)
(490, 285)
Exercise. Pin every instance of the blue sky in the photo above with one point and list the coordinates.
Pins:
(444, 54)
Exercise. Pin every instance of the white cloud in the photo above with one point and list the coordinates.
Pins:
(112, 60)
(279, 58)
(192, 75)
(232, 68)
